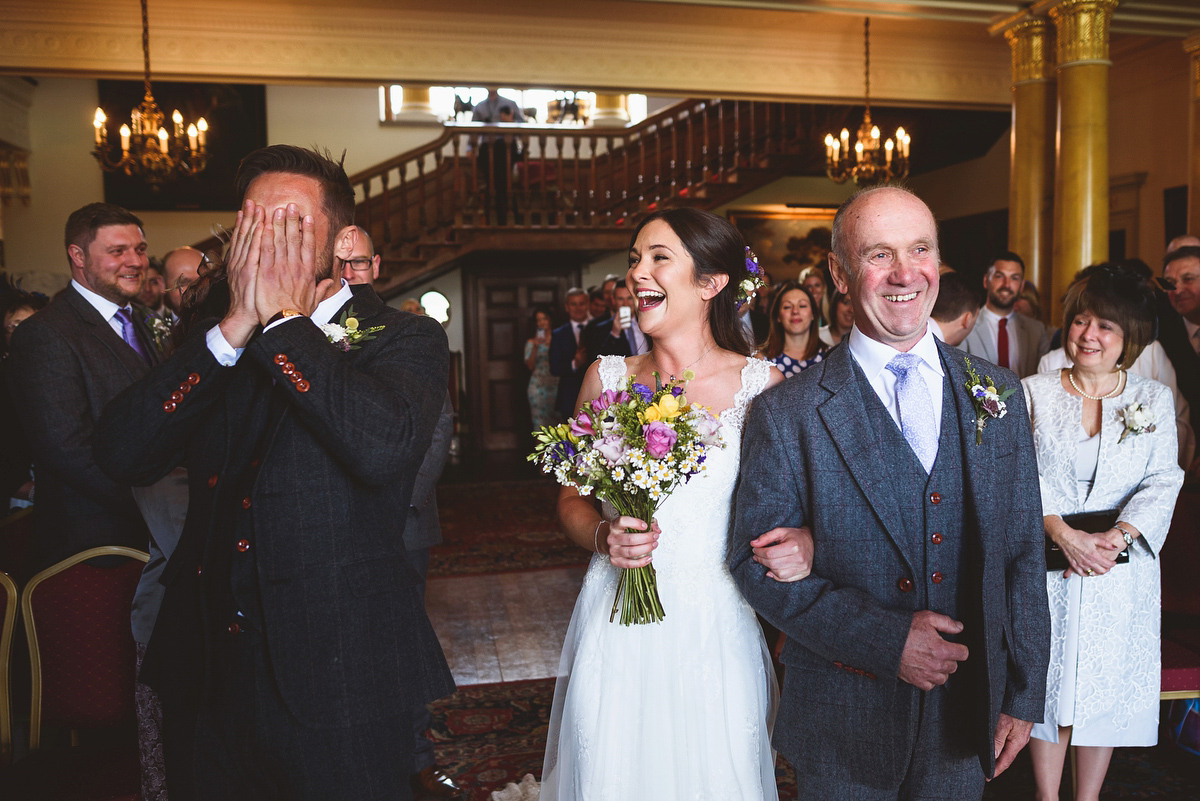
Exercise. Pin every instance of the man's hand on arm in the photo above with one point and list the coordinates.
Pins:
(241, 271)
(928, 659)
(1011, 737)
(786, 553)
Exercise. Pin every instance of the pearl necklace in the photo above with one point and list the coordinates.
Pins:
(1115, 390)
(684, 370)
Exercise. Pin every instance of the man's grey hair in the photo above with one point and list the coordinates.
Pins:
(575, 290)
(839, 243)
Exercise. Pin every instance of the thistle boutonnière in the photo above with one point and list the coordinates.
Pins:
(346, 334)
(986, 398)
(1137, 420)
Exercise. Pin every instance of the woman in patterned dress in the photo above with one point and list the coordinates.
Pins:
(793, 344)
(543, 387)
(1094, 454)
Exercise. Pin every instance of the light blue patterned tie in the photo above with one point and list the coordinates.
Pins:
(916, 407)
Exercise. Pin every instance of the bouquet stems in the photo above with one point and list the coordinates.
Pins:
(637, 589)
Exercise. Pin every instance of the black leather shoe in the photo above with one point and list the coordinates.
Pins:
(433, 782)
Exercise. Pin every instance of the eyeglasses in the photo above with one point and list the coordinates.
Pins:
(359, 265)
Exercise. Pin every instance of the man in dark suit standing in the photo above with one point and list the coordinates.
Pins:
(613, 337)
(568, 351)
(66, 362)
(291, 645)
(1179, 327)
(917, 648)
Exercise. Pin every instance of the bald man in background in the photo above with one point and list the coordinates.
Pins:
(181, 268)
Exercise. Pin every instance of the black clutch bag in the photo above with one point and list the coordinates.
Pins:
(1091, 522)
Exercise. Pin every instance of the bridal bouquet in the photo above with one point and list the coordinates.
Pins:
(631, 447)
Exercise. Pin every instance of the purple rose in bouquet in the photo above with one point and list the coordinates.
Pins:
(660, 438)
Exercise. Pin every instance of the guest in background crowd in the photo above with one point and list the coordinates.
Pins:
(181, 268)
(617, 338)
(543, 387)
(153, 289)
(1104, 442)
(497, 153)
(755, 325)
(16, 457)
(956, 309)
(598, 310)
(813, 279)
(793, 343)
(1179, 325)
(422, 529)
(841, 319)
(1028, 302)
(568, 352)
(608, 286)
(151, 306)
(65, 363)
(1000, 335)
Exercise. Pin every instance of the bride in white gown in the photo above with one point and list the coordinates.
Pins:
(680, 709)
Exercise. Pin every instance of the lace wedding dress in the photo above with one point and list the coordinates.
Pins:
(680, 709)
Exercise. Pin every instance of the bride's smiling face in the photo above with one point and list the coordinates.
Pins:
(662, 278)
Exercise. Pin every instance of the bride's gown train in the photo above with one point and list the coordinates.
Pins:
(681, 709)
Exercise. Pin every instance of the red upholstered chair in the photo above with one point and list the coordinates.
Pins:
(8, 622)
(83, 661)
(1180, 671)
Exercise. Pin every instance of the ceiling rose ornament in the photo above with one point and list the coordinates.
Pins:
(871, 162)
(148, 149)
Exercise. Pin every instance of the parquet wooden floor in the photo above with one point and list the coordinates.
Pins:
(503, 626)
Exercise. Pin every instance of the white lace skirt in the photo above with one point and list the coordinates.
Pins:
(677, 710)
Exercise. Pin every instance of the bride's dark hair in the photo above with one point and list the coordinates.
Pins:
(716, 248)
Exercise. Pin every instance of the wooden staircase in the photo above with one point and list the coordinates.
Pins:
(569, 188)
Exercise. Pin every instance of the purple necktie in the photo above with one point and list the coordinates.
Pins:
(129, 334)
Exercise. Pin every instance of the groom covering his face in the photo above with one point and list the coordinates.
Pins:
(917, 648)
(292, 644)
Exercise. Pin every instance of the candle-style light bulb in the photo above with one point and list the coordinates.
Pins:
(177, 118)
(98, 121)
(887, 152)
(125, 140)
(202, 130)
(858, 152)
(191, 132)
(162, 139)
(875, 132)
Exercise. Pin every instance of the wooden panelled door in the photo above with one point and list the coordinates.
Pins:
(502, 302)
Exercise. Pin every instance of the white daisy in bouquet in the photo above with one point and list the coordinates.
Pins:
(631, 447)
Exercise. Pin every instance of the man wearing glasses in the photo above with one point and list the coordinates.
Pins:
(421, 531)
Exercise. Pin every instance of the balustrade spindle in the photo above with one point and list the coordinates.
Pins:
(593, 187)
(721, 141)
(688, 175)
(404, 228)
(366, 187)
(422, 200)
(387, 210)
(704, 153)
(767, 128)
(674, 187)
(737, 133)
(440, 186)
(641, 176)
(658, 165)
(560, 213)
(456, 200)
(753, 143)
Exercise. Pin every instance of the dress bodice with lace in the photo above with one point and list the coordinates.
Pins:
(682, 708)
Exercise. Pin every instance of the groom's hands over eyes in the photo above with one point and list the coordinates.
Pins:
(928, 659)
(786, 553)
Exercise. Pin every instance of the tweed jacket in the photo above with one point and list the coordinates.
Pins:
(809, 458)
(347, 635)
(1030, 334)
(66, 362)
(423, 529)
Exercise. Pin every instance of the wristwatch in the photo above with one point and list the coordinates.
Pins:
(283, 314)
(1128, 537)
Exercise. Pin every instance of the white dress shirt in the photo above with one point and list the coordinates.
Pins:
(873, 358)
(227, 355)
(991, 325)
(107, 309)
(636, 337)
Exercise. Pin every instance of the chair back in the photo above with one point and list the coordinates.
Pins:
(8, 622)
(81, 649)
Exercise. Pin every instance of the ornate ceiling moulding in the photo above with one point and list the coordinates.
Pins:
(598, 44)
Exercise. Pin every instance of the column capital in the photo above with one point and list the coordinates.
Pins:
(1081, 27)
(1030, 43)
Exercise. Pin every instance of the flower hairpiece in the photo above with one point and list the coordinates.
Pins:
(752, 282)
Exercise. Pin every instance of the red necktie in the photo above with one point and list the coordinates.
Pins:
(1002, 343)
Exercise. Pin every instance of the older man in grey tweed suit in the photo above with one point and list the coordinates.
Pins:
(916, 649)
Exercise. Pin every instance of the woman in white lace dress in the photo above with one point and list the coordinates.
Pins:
(680, 709)
(1095, 454)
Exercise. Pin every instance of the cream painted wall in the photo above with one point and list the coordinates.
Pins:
(1148, 127)
(449, 285)
(972, 187)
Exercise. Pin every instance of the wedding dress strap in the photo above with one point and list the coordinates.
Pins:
(755, 375)
(612, 372)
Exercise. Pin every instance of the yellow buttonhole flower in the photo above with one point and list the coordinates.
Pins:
(351, 323)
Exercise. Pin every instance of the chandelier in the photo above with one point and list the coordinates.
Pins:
(870, 163)
(148, 149)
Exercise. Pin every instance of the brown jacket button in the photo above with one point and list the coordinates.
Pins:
(289, 368)
(177, 396)
(246, 502)
(905, 585)
(234, 628)
(296, 377)
(193, 379)
(199, 569)
(936, 578)
(243, 546)
(936, 539)
(281, 358)
(212, 480)
(169, 407)
(936, 498)
(302, 386)
(185, 387)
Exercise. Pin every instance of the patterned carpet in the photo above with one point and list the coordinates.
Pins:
(500, 527)
(487, 735)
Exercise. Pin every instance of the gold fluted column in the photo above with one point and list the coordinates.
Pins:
(415, 105)
(1192, 46)
(1031, 166)
(1081, 169)
(610, 111)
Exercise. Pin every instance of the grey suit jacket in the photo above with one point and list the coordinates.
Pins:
(65, 364)
(808, 459)
(423, 530)
(1030, 333)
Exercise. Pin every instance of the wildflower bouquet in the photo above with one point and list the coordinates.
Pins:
(632, 447)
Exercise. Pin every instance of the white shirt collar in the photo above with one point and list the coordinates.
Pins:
(329, 307)
(995, 318)
(873, 356)
(104, 306)
(936, 328)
